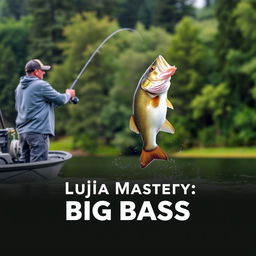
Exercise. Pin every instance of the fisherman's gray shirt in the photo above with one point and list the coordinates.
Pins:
(35, 103)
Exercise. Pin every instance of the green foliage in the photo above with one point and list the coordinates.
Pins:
(82, 38)
(46, 30)
(207, 13)
(186, 52)
(126, 142)
(206, 136)
(13, 48)
(181, 139)
(209, 110)
(64, 143)
(212, 102)
(213, 90)
(7, 83)
(245, 18)
(86, 141)
(164, 13)
(207, 34)
(231, 152)
(245, 126)
(131, 10)
(107, 87)
(236, 53)
(249, 68)
(207, 31)
(12, 9)
(14, 34)
(253, 92)
(169, 12)
(245, 15)
(114, 118)
(109, 8)
(229, 47)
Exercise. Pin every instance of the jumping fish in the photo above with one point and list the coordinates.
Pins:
(150, 107)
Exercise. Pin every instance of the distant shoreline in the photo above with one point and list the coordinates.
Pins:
(66, 144)
(221, 152)
(187, 154)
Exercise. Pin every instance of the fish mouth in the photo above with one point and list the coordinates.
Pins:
(166, 74)
(165, 69)
(156, 79)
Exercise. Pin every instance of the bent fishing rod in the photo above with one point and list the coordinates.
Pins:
(2, 119)
(75, 100)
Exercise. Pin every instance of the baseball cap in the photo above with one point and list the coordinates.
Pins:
(35, 64)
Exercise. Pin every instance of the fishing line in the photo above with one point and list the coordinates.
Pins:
(94, 53)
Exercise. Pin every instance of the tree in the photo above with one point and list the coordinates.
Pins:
(106, 89)
(209, 110)
(82, 37)
(245, 18)
(13, 9)
(208, 3)
(162, 13)
(48, 19)
(244, 127)
(229, 47)
(7, 83)
(187, 53)
(14, 34)
(133, 11)
(169, 12)
(14, 45)
(51, 16)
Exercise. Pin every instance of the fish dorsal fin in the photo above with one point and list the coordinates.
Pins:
(133, 127)
(169, 104)
(167, 127)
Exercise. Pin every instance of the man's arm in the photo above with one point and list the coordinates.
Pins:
(55, 97)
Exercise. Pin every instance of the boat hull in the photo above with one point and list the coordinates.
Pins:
(36, 171)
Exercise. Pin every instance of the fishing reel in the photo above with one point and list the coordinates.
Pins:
(9, 144)
(74, 100)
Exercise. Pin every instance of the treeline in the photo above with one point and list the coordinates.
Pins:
(213, 90)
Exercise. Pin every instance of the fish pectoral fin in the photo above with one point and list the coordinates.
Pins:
(133, 127)
(169, 104)
(167, 127)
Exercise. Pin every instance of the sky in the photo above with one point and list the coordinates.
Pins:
(199, 3)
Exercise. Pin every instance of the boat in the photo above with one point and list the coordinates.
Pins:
(34, 171)
(13, 171)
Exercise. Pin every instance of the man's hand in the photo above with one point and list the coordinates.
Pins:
(71, 92)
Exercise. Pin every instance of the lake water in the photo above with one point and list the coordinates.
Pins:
(222, 211)
(226, 172)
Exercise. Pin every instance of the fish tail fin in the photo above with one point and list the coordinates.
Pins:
(147, 157)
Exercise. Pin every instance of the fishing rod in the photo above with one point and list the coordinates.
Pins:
(2, 119)
(75, 99)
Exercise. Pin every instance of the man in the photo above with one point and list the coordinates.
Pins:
(35, 102)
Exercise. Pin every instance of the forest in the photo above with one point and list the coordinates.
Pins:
(214, 49)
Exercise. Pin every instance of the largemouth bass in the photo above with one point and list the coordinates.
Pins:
(150, 105)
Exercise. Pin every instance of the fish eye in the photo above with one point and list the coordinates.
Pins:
(152, 68)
